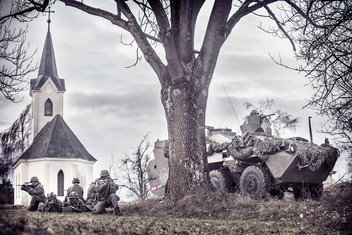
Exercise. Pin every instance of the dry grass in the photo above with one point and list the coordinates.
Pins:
(204, 213)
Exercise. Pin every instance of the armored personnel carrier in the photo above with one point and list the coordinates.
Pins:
(256, 163)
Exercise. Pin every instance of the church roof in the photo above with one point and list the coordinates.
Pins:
(56, 140)
(47, 67)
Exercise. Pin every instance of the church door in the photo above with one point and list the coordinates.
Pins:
(60, 183)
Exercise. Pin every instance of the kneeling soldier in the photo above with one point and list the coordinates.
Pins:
(36, 190)
(91, 195)
(75, 188)
(106, 194)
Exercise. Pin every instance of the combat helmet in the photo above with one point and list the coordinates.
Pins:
(51, 195)
(104, 173)
(34, 179)
(75, 180)
(73, 195)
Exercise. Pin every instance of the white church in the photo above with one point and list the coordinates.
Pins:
(55, 155)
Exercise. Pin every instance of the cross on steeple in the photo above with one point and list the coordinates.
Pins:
(49, 20)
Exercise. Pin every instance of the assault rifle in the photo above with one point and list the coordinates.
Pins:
(26, 184)
(48, 204)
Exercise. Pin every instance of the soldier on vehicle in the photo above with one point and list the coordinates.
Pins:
(36, 190)
(91, 194)
(74, 204)
(75, 188)
(52, 204)
(106, 194)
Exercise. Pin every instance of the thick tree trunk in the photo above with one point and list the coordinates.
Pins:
(185, 108)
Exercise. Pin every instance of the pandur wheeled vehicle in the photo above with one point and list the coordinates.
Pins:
(256, 163)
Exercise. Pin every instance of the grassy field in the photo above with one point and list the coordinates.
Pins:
(205, 213)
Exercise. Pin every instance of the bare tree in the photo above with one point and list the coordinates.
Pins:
(22, 10)
(14, 141)
(134, 170)
(185, 72)
(326, 55)
(280, 122)
(15, 59)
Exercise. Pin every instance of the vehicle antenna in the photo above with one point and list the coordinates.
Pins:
(233, 109)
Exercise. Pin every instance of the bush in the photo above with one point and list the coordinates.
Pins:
(6, 192)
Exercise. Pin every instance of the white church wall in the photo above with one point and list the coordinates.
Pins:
(20, 174)
(47, 169)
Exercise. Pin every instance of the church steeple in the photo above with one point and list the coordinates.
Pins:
(47, 89)
(47, 66)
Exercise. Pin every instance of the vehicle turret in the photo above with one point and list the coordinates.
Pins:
(257, 124)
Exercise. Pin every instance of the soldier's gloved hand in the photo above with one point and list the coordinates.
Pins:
(102, 182)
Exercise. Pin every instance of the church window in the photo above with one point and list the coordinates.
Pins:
(48, 108)
(60, 183)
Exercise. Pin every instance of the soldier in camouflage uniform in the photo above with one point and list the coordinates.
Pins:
(75, 188)
(106, 194)
(36, 190)
(52, 204)
(74, 204)
(91, 195)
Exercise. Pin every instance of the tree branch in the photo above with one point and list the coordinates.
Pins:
(279, 25)
(215, 36)
(131, 26)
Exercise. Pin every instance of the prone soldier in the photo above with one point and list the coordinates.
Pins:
(52, 204)
(36, 190)
(74, 204)
(106, 194)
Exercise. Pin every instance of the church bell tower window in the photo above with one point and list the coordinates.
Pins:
(48, 108)
(60, 183)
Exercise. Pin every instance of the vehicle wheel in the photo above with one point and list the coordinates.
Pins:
(220, 180)
(301, 192)
(277, 193)
(297, 193)
(315, 190)
(308, 191)
(255, 182)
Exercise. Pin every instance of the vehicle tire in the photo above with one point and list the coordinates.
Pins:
(220, 180)
(297, 193)
(277, 193)
(255, 182)
(315, 191)
(308, 191)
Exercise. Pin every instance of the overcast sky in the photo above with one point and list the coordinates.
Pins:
(110, 108)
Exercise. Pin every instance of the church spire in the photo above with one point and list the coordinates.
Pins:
(47, 62)
(47, 90)
(47, 66)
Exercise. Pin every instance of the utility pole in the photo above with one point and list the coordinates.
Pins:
(310, 129)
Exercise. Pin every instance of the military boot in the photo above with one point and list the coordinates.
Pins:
(117, 211)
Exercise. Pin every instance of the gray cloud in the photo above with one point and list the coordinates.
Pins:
(137, 101)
